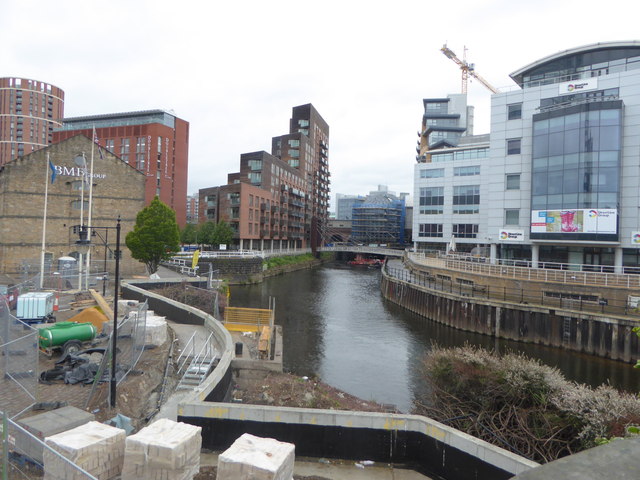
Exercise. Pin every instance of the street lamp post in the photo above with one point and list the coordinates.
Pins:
(84, 243)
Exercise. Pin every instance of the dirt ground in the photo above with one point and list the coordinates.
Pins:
(288, 390)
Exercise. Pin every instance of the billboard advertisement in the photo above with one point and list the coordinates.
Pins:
(600, 222)
(635, 239)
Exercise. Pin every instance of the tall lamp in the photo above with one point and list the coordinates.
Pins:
(83, 244)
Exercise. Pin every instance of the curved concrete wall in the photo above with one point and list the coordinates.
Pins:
(215, 386)
(429, 446)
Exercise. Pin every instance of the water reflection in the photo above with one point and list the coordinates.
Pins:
(337, 326)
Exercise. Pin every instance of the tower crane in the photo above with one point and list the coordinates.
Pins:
(468, 69)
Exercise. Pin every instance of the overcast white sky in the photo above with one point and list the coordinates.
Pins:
(233, 70)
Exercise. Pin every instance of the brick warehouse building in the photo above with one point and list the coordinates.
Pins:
(153, 141)
(29, 112)
(118, 189)
(277, 200)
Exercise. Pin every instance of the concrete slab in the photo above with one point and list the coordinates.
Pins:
(337, 469)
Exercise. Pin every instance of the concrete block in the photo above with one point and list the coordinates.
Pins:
(95, 447)
(165, 450)
(255, 458)
(155, 333)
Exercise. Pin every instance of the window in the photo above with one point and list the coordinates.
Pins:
(255, 177)
(430, 230)
(512, 216)
(141, 146)
(294, 143)
(466, 195)
(432, 173)
(513, 181)
(124, 149)
(431, 200)
(109, 144)
(466, 171)
(255, 164)
(513, 146)
(514, 111)
(465, 230)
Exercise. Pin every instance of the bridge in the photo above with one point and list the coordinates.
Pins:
(368, 249)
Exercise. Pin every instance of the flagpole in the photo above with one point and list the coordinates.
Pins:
(44, 220)
(81, 218)
(88, 270)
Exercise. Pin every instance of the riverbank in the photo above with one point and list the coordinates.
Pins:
(603, 335)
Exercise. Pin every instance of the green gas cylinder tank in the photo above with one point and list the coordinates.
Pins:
(62, 332)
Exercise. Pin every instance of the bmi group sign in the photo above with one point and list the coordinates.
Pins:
(602, 221)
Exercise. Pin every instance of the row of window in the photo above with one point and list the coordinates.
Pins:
(464, 230)
(457, 172)
(460, 230)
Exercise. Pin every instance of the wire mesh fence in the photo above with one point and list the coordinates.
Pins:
(23, 456)
(130, 345)
(556, 299)
(18, 363)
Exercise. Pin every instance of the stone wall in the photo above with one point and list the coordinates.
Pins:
(118, 189)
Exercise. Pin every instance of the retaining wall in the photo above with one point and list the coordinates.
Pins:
(424, 444)
(605, 336)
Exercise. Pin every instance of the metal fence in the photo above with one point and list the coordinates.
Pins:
(132, 338)
(548, 272)
(130, 346)
(24, 456)
(18, 363)
(580, 302)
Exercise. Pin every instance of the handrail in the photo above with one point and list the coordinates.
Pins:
(482, 265)
(190, 343)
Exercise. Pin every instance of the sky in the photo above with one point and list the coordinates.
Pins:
(234, 70)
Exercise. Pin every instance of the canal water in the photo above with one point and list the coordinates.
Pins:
(337, 327)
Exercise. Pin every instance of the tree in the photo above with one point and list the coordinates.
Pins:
(222, 234)
(155, 235)
(189, 234)
(205, 233)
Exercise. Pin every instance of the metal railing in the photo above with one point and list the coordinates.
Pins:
(24, 456)
(389, 252)
(523, 296)
(596, 275)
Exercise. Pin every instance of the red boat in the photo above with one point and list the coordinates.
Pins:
(365, 262)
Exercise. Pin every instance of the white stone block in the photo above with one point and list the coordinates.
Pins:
(255, 458)
(165, 450)
(155, 331)
(95, 447)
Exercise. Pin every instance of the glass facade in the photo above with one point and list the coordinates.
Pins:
(576, 160)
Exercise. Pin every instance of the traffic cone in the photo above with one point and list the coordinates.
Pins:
(56, 307)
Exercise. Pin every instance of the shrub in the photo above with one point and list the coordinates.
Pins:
(520, 404)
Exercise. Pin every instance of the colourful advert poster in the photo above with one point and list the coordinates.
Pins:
(574, 221)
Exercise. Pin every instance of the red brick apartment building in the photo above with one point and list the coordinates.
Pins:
(278, 200)
(29, 112)
(154, 142)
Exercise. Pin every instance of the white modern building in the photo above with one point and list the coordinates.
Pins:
(451, 177)
(561, 182)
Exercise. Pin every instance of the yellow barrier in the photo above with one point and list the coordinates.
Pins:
(238, 319)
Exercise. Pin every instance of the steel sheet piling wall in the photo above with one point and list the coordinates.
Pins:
(601, 335)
